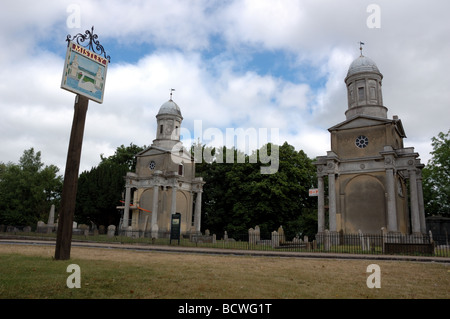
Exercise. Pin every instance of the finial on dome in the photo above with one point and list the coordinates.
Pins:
(171, 90)
(360, 46)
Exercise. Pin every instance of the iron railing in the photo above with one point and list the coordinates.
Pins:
(378, 244)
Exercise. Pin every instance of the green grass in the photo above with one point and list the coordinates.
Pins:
(29, 272)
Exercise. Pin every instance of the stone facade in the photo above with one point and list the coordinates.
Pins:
(164, 182)
(368, 168)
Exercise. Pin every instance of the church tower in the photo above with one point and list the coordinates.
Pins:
(368, 168)
(164, 183)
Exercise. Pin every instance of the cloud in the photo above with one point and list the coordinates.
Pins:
(206, 50)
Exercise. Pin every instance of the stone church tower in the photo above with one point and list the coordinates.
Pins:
(164, 182)
(373, 180)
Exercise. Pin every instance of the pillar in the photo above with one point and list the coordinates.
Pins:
(173, 207)
(391, 205)
(154, 221)
(126, 210)
(423, 226)
(198, 211)
(415, 218)
(320, 205)
(332, 201)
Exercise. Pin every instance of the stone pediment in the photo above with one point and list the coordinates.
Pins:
(152, 150)
(359, 121)
(367, 121)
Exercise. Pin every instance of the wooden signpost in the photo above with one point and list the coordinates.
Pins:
(84, 74)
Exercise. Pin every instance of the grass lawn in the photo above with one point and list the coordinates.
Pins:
(29, 272)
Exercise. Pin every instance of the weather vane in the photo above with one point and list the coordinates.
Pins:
(171, 90)
(360, 46)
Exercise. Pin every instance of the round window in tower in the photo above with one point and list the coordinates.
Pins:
(361, 141)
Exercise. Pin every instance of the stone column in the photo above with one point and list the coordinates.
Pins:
(198, 211)
(154, 221)
(423, 226)
(391, 205)
(173, 207)
(332, 201)
(415, 219)
(321, 205)
(126, 211)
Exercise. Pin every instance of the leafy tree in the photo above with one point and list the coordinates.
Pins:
(28, 189)
(237, 196)
(100, 189)
(125, 156)
(436, 177)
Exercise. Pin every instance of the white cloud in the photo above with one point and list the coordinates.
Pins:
(202, 48)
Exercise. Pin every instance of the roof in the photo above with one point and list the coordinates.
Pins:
(171, 108)
(362, 64)
(365, 121)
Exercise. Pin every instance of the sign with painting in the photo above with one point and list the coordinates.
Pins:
(84, 72)
(313, 192)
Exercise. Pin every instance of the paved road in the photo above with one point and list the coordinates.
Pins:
(215, 251)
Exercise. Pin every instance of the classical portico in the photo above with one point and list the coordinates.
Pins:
(373, 180)
(164, 182)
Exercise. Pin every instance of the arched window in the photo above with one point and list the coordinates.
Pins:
(361, 94)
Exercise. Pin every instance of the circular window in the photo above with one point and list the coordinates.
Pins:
(361, 141)
(152, 165)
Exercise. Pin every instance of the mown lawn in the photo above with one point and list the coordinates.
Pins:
(29, 272)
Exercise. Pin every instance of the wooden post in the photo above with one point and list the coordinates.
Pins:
(69, 193)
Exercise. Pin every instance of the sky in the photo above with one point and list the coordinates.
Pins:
(263, 65)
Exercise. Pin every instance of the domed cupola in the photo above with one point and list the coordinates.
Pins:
(362, 64)
(364, 94)
(168, 125)
(170, 108)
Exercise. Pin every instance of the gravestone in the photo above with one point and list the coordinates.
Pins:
(362, 240)
(111, 230)
(51, 216)
(41, 227)
(257, 234)
(281, 235)
(275, 239)
(251, 236)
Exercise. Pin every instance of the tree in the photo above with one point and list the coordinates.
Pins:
(100, 189)
(436, 177)
(237, 196)
(28, 189)
(125, 156)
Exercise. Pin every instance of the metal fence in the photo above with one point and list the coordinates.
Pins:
(378, 244)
